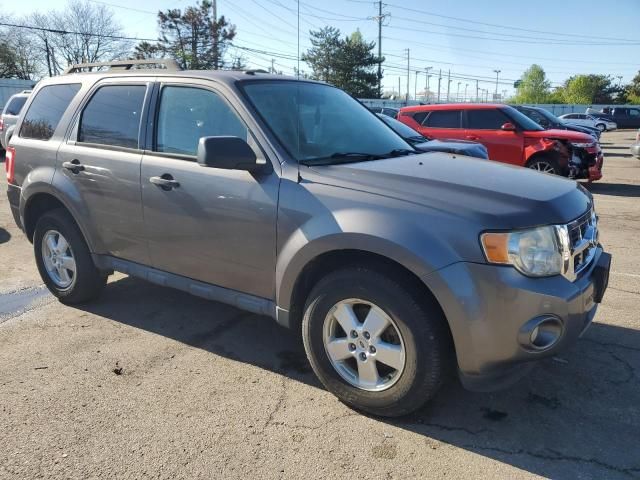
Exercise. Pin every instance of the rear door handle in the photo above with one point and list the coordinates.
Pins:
(74, 165)
(166, 182)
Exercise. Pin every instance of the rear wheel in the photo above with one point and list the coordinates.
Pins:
(545, 165)
(372, 344)
(64, 260)
(601, 126)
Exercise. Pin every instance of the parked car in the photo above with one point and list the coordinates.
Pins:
(625, 117)
(635, 148)
(288, 198)
(10, 114)
(388, 111)
(510, 137)
(424, 144)
(549, 121)
(585, 120)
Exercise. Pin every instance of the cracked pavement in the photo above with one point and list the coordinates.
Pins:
(150, 382)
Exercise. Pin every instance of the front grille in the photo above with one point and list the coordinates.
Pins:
(583, 237)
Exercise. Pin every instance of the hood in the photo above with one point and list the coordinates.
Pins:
(492, 195)
(461, 147)
(570, 135)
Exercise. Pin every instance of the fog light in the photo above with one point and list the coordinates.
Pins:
(540, 333)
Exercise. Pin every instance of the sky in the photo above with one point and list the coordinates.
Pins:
(470, 38)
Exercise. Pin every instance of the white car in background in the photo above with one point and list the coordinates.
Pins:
(588, 121)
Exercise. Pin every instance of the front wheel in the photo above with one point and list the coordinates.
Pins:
(372, 344)
(601, 126)
(545, 165)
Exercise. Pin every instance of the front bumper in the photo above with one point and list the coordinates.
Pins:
(487, 307)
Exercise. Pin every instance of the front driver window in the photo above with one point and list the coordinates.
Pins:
(187, 113)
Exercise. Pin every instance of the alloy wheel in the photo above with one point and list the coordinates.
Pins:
(58, 259)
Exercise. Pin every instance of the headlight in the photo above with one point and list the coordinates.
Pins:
(583, 145)
(536, 252)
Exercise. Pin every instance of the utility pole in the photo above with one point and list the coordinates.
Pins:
(458, 92)
(477, 89)
(46, 46)
(497, 73)
(439, 81)
(380, 19)
(214, 34)
(415, 86)
(465, 91)
(408, 66)
(426, 83)
(399, 88)
(448, 84)
(273, 70)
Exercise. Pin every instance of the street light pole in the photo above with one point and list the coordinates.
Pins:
(426, 83)
(415, 86)
(497, 73)
(458, 92)
(465, 91)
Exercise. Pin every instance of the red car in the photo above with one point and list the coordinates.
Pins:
(510, 137)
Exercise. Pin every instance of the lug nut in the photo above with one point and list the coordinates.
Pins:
(372, 349)
(363, 356)
(352, 347)
(366, 335)
(354, 334)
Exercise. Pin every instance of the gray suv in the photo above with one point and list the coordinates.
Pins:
(10, 114)
(290, 199)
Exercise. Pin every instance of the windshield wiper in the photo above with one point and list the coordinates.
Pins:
(399, 152)
(342, 157)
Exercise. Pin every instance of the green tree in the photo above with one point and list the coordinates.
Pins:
(192, 38)
(591, 89)
(348, 63)
(632, 91)
(533, 86)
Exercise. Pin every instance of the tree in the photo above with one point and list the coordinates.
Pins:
(347, 63)
(632, 91)
(533, 86)
(17, 58)
(192, 38)
(591, 89)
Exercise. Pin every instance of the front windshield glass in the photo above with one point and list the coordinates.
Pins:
(522, 120)
(313, 121)
(405, 131)
(549, 116)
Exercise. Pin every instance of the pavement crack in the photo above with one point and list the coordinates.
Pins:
(631, 372)
(610, 344)
(278, 405)
(623, 290)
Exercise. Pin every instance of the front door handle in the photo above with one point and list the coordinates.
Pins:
(74, 165)
(166, 182)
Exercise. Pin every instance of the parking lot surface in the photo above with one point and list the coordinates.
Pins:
(153, 383)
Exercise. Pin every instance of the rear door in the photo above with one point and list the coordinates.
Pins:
(102, 159)
(485, 126)
(633, 118)
(442, 124)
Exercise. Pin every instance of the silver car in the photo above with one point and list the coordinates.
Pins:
(288, 198)
(10, 114)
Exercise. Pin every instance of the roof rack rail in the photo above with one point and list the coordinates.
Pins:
(253, 71)
(161, 63)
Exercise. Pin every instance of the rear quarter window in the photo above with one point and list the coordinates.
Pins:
(46, 110)
(14, 105)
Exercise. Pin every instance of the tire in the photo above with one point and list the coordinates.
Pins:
(545, 164)
(601, 126)
(79, 284)
(422, 331)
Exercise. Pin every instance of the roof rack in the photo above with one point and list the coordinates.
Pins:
(161, 63)
(253, 71)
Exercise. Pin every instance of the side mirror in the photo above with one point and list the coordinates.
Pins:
(231, 153)
(508, 127)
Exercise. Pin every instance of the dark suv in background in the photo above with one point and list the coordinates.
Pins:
(288, 198)
(549, 121)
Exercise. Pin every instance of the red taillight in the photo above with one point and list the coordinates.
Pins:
(10, 163)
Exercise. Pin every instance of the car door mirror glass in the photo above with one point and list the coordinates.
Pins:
(508, 127)
(227, 152)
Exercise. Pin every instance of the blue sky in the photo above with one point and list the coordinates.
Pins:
(470, 37)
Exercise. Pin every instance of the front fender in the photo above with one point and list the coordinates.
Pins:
(385, 232)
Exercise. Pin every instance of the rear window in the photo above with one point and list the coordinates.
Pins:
(420, 116)
(490, 119)
(46, 110)
(15, 105)
(112, 116)
(443, 119)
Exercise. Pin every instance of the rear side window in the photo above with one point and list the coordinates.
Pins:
(112, 116)
(46, 110)
(186, 114)
(420, 116)
(491, 119)
(443, 119)
(15, 105)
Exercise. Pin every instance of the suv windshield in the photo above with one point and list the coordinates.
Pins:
(320, 124)
(524, 122)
